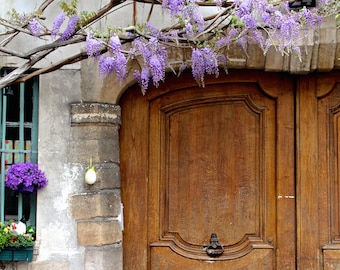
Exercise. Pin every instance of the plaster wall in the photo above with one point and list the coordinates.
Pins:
(56, 230)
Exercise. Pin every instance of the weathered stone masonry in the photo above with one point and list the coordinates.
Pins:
(95, 133)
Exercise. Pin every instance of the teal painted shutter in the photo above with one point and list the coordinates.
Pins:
(19, 143)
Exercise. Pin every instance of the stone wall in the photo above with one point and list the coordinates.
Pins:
(97, 211)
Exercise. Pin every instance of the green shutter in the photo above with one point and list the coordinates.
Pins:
(19, 143)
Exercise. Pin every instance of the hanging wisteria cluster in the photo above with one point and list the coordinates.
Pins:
(269, 23)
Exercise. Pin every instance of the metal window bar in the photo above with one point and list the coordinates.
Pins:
(21, 152)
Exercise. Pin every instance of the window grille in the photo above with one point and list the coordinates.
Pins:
(18, 143)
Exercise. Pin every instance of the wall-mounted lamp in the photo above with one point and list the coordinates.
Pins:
(90, 175)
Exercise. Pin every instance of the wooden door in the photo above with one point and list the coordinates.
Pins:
(318, 171)
(219, 159)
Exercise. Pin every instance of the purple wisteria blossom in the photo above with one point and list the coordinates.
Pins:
(283, 28)
(192, 13)
(310, 19)
(120, 65)
(115, 43)
(92, 46)
(34, 26)
(198, 65)
(203, 61)
(244, 22)
(106, 65)
(188, 28)
(115, 61)
(174, 6)
(228, 39)
(189, 13)
(154, 61)
(143, 79)
(153, 30)
(58, 21)
(157, 69)
(70, 28)
(25, 177)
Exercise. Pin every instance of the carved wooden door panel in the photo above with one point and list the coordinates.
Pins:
(216, 160)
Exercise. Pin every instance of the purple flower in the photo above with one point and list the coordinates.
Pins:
(120, 65)
(153, 30)
(34, 27)
(154, 62)
(228, 39)
(211, 63)
(203, 61)
(192, 13)
(156, 69)
(222, 59)
(25, 177)
(174, 6)
(115, 43)
(142, 78)
(58, 21)
(92, 46)
(116, 62)
(198, 65)
(249, 21)
(188, 28)
(106, 65)
(310, 18)
(70, 28)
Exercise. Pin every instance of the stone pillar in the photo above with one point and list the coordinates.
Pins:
(97, 208)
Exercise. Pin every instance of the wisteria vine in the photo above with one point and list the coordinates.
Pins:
(269, 23)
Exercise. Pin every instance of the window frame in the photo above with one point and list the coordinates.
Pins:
(21, 151)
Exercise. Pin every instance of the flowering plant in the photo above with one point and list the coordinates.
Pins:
(25, 177)
(9, 237)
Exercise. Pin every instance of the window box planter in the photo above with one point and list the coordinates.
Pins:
(17, 254)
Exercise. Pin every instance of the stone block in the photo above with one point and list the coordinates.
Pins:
(94, 132)
(326, 52)
(102, 204)
(101, 151)
(85, 113)
(108, 176)
(337, 53)
(236, 57)
(274, 60)
(256, 58)
(302, 64)
(99, 233)
(49, 265)
(327, 46)
(104, 258)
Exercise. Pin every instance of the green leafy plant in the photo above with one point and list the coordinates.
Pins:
(69, 9)
(21, 241)
(9, 239)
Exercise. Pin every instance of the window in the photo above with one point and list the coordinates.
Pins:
(18, 143)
